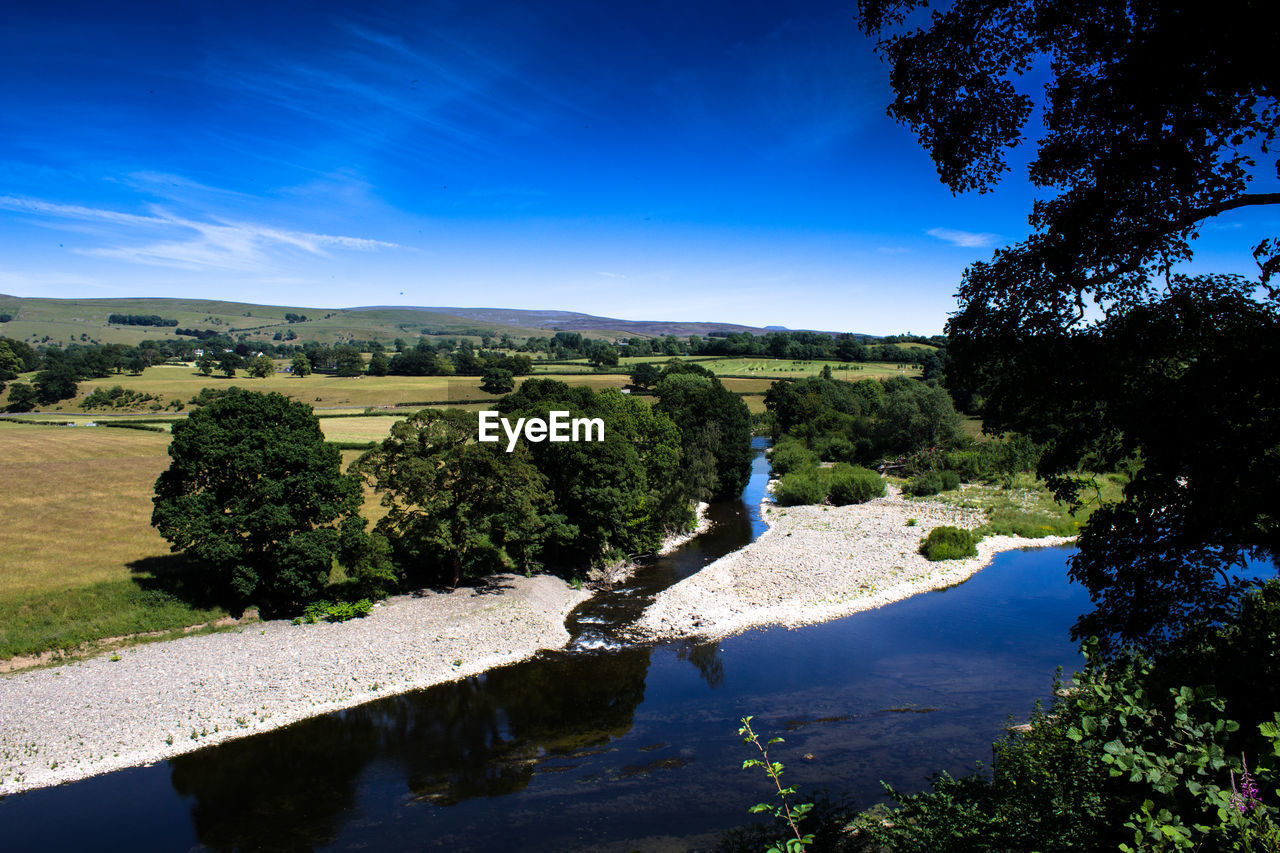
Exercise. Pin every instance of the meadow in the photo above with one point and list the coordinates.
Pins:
(1026, 507)
(179, 383)
(79, 559)
(779, 368)
(752, 367)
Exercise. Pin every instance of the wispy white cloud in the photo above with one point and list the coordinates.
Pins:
(964, 239)
(167, 239)
(610, 274)
(421, 94)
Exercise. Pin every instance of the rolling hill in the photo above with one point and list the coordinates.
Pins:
(63, 321)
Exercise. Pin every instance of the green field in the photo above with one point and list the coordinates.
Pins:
(1027, 508)
(765, 368)
(181, 383)
(771, 368)
(79, 559)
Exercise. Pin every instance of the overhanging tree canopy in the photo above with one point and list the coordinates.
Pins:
(1158, 116)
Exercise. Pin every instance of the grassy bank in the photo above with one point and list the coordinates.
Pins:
(1028, 509)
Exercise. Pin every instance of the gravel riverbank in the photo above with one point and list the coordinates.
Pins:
(80, 719)
(815, 564)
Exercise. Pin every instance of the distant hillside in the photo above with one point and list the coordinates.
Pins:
(63, 321)
(572, 321)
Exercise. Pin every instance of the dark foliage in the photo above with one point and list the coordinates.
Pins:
(140, 320)
(22, 398)
(1128, 754)
(865, 421)
(715, 431)
(1082, 336)
(497, 381)
(55, 383)
(256, 495)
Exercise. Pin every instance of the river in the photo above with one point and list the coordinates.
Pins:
(609, 745)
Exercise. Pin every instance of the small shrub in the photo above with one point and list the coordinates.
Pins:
(949, 543)
(851, 484)
(340, 611)
(931, 483)
(790, 455)
(924, 485)
(802, 487)
(911, 522)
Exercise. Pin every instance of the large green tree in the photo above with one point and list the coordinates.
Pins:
(348, 361)
(56, 382)
(623, 494)
(715, 432)
(497, 381)
(301, 365)
(255, 495)
(458, 509)
(22, 397)
(1087, 334)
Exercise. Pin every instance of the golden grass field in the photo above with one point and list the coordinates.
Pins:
(77, 513)
(374, 428)
(77, 504)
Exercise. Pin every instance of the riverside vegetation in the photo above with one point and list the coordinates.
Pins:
(256, 497)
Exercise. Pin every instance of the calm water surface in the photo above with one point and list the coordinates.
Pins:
(606, 746)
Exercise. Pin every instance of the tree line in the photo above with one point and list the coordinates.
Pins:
(139, 320)
(257, 498)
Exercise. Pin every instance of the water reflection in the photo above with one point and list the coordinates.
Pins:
(485, 736)
(705, 658)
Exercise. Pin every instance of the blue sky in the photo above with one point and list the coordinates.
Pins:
(656, 160)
